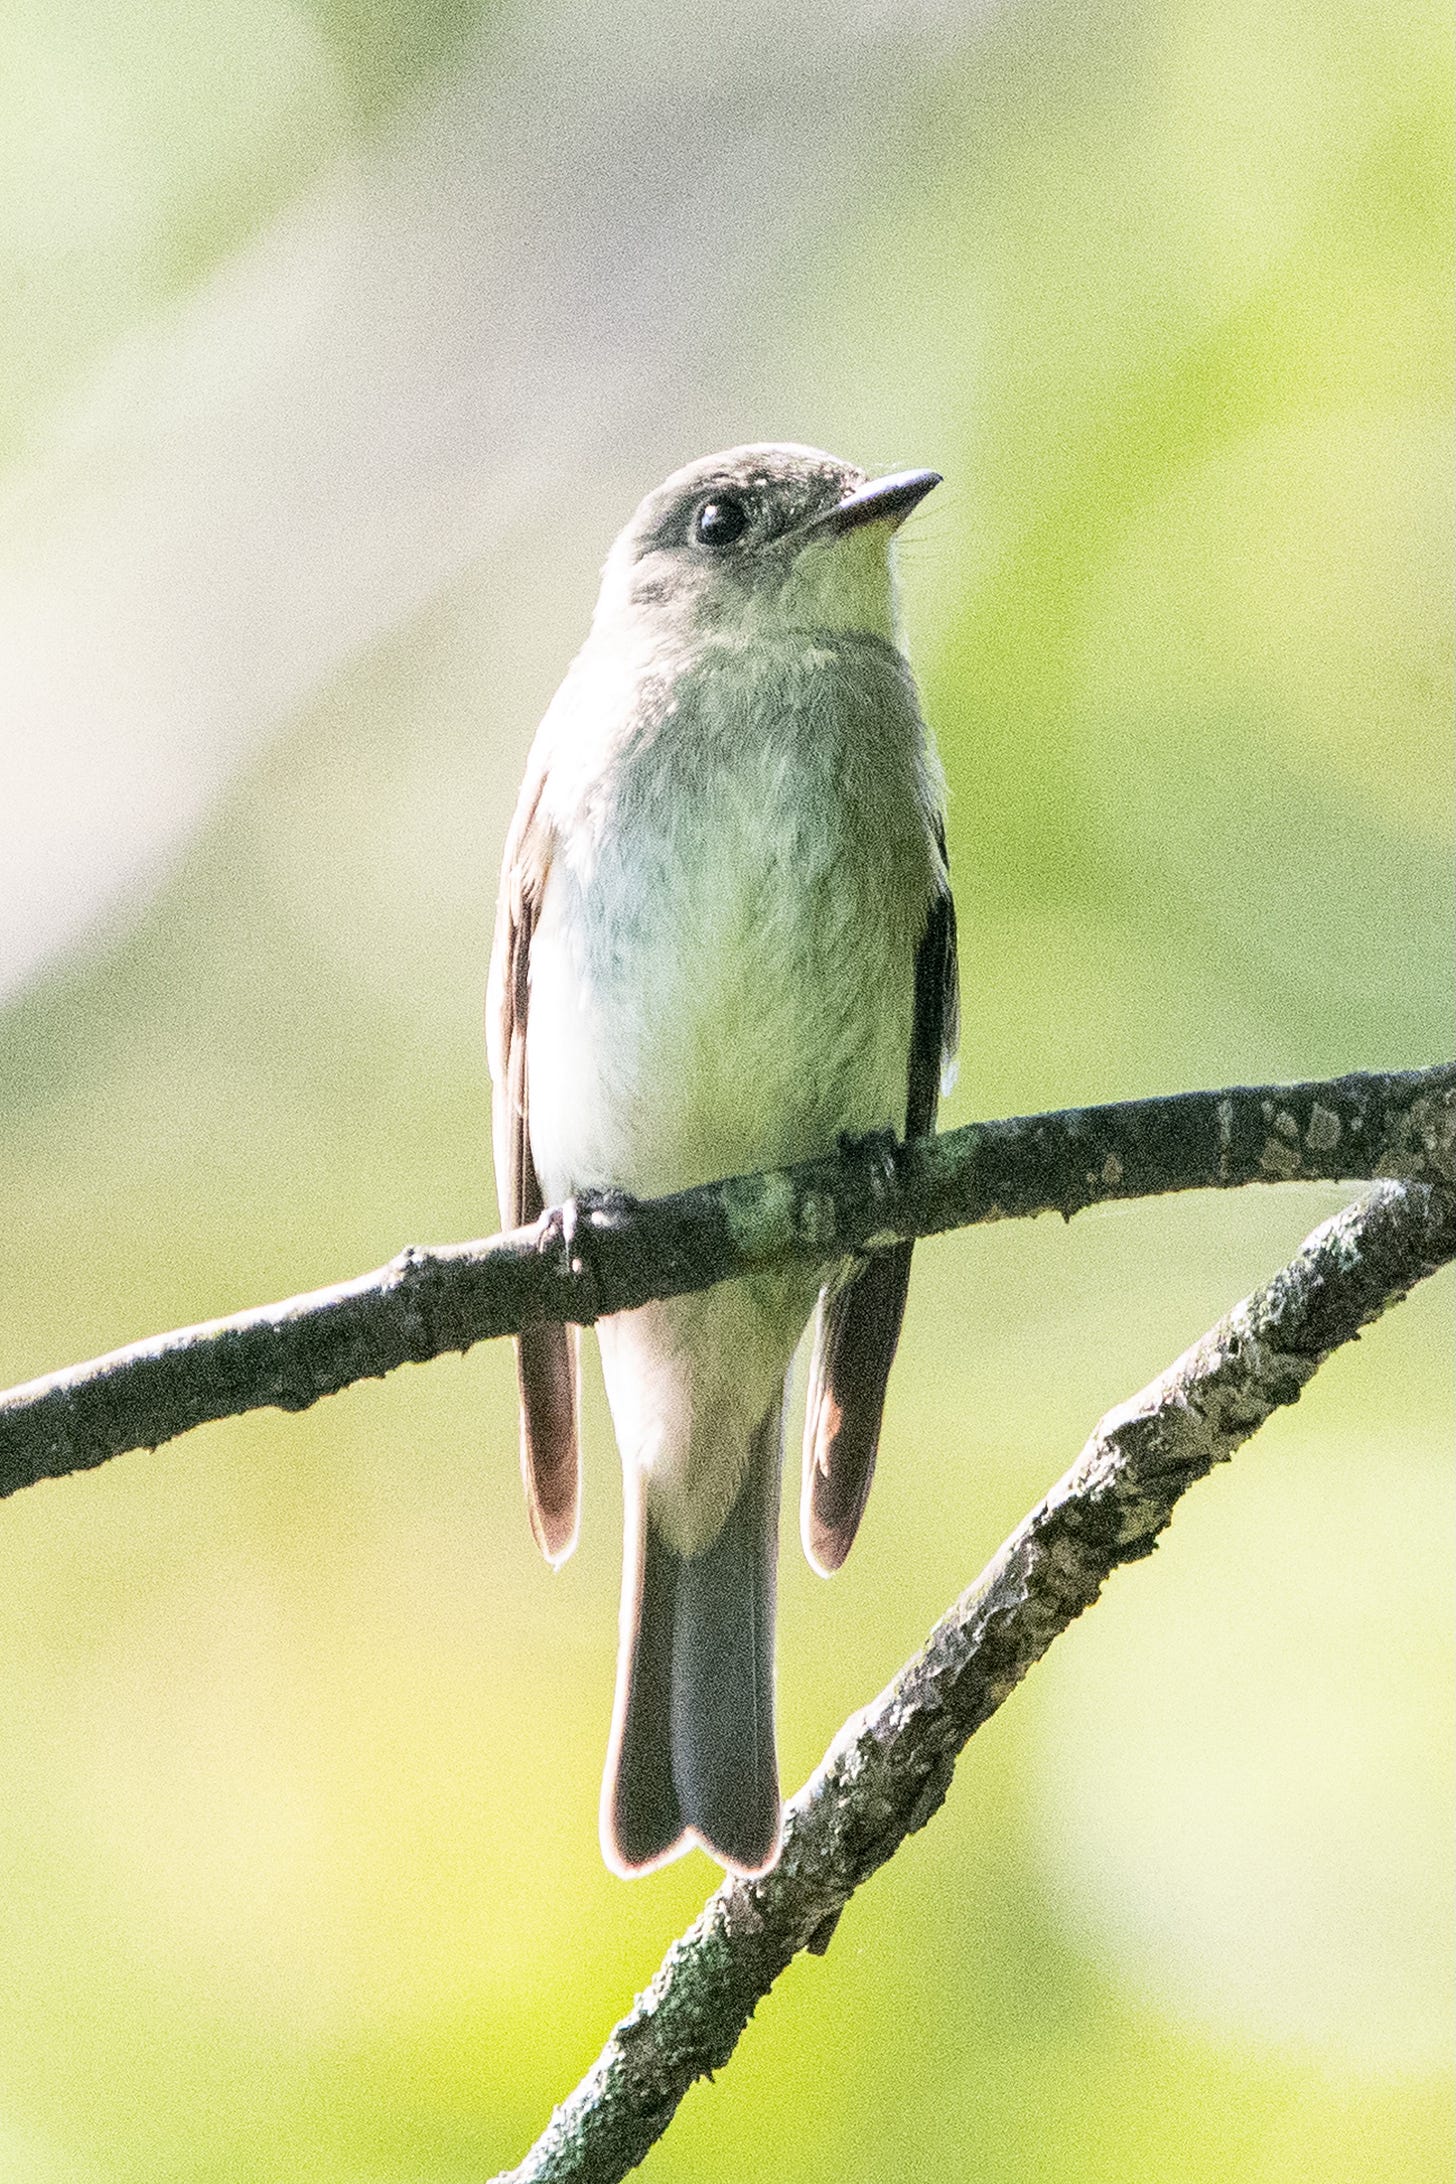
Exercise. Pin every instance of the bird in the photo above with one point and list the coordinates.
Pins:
(725, 941)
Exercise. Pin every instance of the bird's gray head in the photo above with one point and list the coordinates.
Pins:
(757, 542)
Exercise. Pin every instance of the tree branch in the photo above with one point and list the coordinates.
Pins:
(889, 1768)
(609, 1253)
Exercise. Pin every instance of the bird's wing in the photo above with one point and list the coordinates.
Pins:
(545, 1354)
(859, 1319)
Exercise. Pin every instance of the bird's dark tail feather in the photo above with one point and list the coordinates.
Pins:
(693, 1756)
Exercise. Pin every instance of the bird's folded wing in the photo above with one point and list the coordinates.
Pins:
(859, 1318)
(545, 1354)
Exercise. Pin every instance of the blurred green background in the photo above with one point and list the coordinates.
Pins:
(339, 336)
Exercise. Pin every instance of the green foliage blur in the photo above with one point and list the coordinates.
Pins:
(299, 1742)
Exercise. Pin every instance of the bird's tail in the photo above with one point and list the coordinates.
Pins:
(692, 1756)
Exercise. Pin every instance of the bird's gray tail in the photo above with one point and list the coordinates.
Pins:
(692, 1756)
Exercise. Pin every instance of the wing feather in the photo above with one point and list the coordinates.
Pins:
(860, 1316)
(545, 1354)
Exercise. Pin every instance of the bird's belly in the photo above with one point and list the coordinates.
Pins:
(719, 1045)
(723, 1039)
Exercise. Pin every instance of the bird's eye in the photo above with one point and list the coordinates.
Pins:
(719, 522)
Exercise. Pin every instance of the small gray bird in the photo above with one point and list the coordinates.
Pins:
(725, 939)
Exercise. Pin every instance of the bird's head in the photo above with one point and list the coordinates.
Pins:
(759, 542)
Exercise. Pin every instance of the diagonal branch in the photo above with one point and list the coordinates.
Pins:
(608, 1254)
(889, 1768)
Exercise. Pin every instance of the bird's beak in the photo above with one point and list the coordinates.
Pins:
(883, 500)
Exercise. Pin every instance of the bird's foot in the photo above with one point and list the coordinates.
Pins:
(879, 1153)
(570, 1233)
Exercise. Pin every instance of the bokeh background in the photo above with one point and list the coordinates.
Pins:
(338, 337)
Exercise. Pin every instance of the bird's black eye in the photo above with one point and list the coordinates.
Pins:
(720, 521)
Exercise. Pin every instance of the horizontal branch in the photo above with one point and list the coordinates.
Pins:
(889, 1768)
(608, 1254)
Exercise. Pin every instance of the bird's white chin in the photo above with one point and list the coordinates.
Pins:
(843, 582)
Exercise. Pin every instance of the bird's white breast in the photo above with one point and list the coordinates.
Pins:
(722, 968)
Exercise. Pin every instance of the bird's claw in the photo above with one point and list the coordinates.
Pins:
(568, 1233)
(879, 1151)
